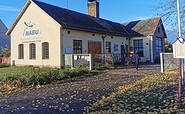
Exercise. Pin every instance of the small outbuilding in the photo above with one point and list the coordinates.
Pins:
(148, 37)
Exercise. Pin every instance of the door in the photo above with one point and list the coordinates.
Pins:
(94, 48)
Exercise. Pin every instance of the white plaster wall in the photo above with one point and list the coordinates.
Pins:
(67, 40)
(49, 32)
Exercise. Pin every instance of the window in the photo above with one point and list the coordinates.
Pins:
(138, 46)
(108, 47)
(45, 50)
(159, 30)
(158, 46)
(21, 51)
(77, 46)
(32, 51)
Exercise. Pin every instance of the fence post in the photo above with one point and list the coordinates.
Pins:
(162, 62)
(90, 62)
(72, 61)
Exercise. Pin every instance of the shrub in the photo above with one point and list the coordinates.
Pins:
(105, 67)
(77, 72)
(18, 77)
(4, 65)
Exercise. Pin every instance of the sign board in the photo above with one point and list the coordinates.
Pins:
(179, 50)
(31, 29)
(69, 51)
(68, 60)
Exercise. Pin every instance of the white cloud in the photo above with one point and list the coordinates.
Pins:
(137, 18)
(9, 8)
(142, 18)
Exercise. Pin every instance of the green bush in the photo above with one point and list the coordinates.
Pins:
(17, 77)
(105, 67)
(33, 79)
(77, 72)
(4, 65)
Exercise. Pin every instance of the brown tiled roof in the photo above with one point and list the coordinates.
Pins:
(142, 27)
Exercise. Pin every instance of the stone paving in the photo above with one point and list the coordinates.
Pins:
(71, 96)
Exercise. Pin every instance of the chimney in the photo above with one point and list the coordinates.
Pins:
(93, 8)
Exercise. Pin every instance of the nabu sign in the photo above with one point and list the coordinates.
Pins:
(31, 29)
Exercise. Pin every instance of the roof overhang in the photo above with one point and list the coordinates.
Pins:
(18, 17)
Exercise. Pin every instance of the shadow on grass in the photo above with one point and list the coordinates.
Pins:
(158, 100)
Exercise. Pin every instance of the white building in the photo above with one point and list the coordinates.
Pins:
(42, 34)
(147, 36)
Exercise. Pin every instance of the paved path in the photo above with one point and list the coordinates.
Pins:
(71, 97)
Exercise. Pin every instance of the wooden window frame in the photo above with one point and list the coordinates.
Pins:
(138, 46)
(159, 48)
(45, 50)
(20, 51)
(77, 46)
(108, 47)
(32, 47)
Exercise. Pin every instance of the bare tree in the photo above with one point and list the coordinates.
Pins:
(168, 11)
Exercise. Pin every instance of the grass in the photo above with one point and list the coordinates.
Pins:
(10, 71)
(152, 94)
(14, 78)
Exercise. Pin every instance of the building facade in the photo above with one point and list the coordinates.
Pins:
(42, 34)
(148, 37)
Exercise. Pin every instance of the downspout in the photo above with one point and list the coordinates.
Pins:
(61, 49)
(129, 37)
(103, 39)
(62, 54)
(151, 49)
(128, 53)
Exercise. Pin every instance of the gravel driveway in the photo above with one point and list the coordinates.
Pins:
(70, 97)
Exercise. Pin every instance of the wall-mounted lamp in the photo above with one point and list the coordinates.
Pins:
(104, 36)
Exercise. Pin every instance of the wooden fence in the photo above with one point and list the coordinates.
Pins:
(168, 62)
(4, 60)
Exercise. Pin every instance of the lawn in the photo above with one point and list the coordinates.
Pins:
(13, 78)
(12, 71)
(152, 94)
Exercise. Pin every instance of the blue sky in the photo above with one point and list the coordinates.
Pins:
(114, 10)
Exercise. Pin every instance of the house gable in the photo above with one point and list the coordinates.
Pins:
(34, 18)
(3, 28)
(145, 27)
(4, 39)
(36, 27)
(22, 12)
(159, 30)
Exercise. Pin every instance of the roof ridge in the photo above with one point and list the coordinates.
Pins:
(143, 19)
(95, 24)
